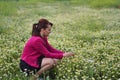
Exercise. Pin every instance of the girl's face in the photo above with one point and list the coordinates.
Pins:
(47, 31)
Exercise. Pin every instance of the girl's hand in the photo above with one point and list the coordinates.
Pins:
(68, 54)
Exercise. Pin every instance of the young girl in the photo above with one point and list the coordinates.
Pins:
(38, 55)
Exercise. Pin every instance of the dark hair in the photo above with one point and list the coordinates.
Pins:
(42, 24)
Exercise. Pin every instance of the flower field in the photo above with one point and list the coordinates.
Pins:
(93, 34)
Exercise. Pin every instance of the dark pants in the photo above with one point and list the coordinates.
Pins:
(28, 68)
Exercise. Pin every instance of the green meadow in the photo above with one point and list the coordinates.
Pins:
(89, 28)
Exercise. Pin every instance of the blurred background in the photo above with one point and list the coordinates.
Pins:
(89, 28)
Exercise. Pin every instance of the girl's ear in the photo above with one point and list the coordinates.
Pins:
(42, 30)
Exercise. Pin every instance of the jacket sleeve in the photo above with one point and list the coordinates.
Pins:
(51, 49)
(40, 47)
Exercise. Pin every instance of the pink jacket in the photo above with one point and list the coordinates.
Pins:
(36, 47)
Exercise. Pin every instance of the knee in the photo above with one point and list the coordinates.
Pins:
(55, 61)
(51, 62)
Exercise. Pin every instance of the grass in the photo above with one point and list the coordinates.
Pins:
(91, 33)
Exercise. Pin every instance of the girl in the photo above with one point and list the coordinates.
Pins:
(38, 55)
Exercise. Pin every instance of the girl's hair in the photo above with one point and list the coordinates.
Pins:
(42, 24)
